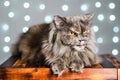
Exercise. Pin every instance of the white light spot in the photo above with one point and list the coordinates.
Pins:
(100, 17)
(11, 14)
(115, 39)
(65, 7)
(84, 7)
(100, 40)
(111, 5)
(98, 4)
(5, 27)
(27, 18)
(6, 49)
(48, 19)
(25, 29)
(42, 6)
(115, 52)
(116, 29)
(26, 5)
(112, 17)
(7, 39)
(95, 28)
(7, 3)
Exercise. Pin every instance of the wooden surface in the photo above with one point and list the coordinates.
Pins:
(106, 70)
(45, 74)
(118, 74)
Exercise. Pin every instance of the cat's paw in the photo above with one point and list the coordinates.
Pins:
(76, 67)
(58, 69)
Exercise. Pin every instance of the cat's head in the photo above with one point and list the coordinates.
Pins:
(73, 31)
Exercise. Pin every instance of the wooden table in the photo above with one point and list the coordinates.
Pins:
(45, 74)
(118, 74)
(108, 69)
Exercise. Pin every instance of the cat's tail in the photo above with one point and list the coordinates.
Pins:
(16, 53)
(15, 48)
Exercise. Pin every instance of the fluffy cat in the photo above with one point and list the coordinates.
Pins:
(65, 43)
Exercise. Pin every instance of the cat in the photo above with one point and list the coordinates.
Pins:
(65, 43)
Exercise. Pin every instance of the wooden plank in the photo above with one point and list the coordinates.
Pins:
(45, 74)
(118, 74)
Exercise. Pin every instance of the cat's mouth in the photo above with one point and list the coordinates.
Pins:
(80, 46)
(81, 43)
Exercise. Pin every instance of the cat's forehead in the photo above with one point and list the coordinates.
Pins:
(73, 19)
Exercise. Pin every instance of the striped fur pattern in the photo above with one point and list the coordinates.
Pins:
(65, 43)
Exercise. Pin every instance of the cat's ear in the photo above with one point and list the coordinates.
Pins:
(87, 17)
(59, 22)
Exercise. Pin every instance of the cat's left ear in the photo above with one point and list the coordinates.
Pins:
(59, 22)
(87, 17)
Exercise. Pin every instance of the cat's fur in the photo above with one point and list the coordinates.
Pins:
(67, 42)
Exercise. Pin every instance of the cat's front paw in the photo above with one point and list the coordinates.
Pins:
(76, 67)
(58, 69)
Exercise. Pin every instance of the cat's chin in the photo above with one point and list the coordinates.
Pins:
(79, 48)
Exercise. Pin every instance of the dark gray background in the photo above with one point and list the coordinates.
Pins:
(11, 27)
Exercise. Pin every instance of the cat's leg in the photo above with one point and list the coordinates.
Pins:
(76, 66)
(19, 63)
(58, 67)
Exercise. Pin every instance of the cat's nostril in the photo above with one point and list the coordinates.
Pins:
(80, 40)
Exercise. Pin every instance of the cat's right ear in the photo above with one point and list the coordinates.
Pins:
(59, 22)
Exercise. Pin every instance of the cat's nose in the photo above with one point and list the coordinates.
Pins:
(82, 42)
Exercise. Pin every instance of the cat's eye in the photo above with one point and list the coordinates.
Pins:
(73, 33)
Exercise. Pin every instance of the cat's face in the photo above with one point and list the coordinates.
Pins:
(74, 31)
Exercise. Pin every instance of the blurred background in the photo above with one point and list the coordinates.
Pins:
(16, 16)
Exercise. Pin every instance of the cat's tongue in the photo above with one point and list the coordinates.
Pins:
(82, 43)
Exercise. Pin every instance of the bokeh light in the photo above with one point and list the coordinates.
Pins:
(42, 6)
(5, 27)
(6, 49)
(26, 5)
(100, 17)
(115, 39)
(100, 40)
(25, 29)
(84, 7)
(27, 18)
(116, 29)
(7, 3)
(11, 14)
(98, 4)
(112, 17)
(48, 19)
(7, 39)
(111, 5)
(65, 7)
(115, 52)
(95, 28)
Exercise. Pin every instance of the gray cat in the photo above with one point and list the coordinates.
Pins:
(65, 43)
